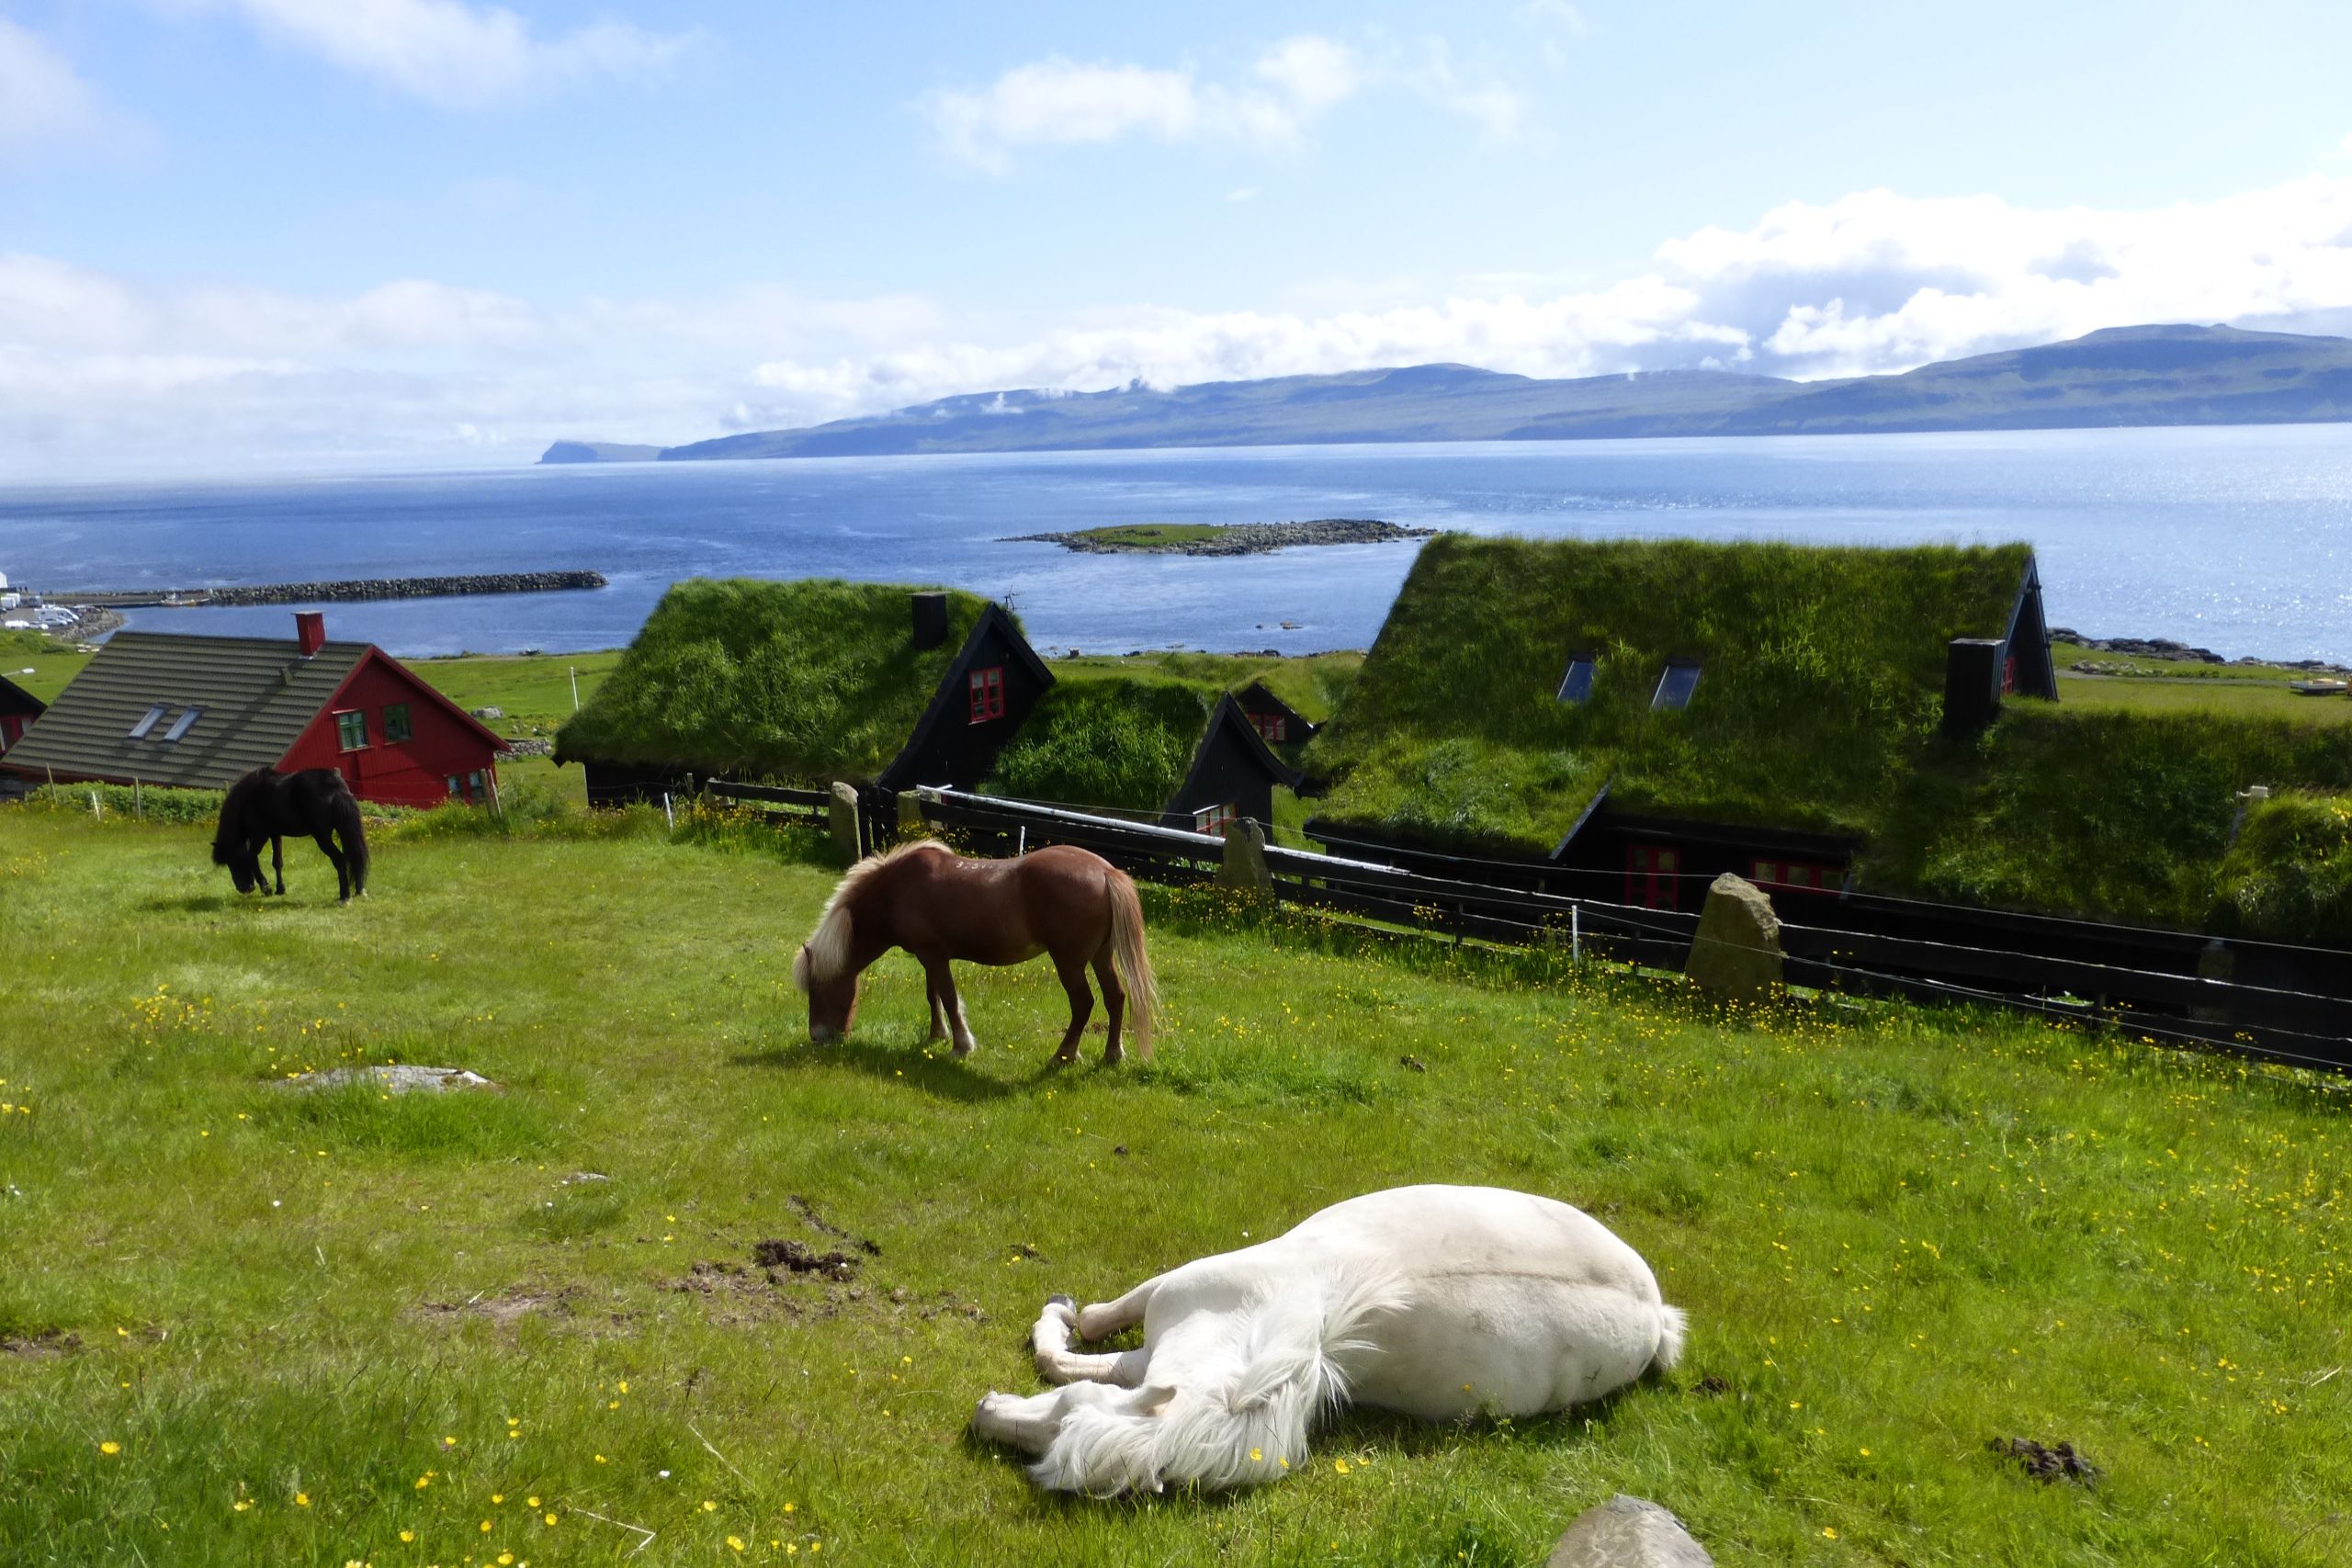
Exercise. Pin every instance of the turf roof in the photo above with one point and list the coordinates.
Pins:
(1113, 740)
(810, 680)
(1821, 685)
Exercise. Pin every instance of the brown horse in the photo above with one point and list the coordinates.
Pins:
(925, 897)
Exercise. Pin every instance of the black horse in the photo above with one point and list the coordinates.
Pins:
(266, 804)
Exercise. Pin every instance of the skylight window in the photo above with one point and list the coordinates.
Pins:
(147, 722)
(1674, 687)
(1576, 686)
(180, 724)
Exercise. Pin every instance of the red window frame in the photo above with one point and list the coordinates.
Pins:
(1795, 876)
(987, 693)
(1652, 875)
(2009, 676)
(1215, 818)
(1271, 726)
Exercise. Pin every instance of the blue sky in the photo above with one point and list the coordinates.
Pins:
(304, 234)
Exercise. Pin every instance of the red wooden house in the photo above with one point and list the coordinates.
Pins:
(18, 708)
(199, 711)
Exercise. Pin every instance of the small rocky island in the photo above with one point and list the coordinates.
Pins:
(1224, 538)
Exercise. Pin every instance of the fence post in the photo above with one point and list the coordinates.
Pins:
(667, 815)
(911, 822)
(95, 813)
(844, 820)
(1576, 933)
(137, 799)
(1243, 865)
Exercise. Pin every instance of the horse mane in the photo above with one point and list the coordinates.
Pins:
(1246, 1427)
(230, 836)
(827, 950)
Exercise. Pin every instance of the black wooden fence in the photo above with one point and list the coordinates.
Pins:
(2141, 980)
(2154, 997)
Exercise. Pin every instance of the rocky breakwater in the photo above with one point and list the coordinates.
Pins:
(1228, 538)
(357, 589)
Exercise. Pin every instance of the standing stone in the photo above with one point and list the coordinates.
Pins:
(911, 823)
(1244, 865)
(1736, 956)
(845, 822)
(1626, 1532)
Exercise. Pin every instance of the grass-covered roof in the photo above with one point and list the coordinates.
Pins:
(1123, 741)
(1821, 681)
(808, 681)
(2128, 815)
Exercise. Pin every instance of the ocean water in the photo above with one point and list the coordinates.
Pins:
(2238, 538)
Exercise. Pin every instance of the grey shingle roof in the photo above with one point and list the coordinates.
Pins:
(256, 693)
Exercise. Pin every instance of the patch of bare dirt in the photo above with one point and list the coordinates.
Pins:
(49, 1345)
(2057, 1463)
(504, 1308)
(792, 1258)
(817, 1222)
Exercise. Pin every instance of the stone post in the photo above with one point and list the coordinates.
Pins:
(1736, 956)
(1244, 865)
(911, 825)
(1627, 1532)
(845, 823)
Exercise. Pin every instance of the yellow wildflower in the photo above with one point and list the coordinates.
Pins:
(109, 1448)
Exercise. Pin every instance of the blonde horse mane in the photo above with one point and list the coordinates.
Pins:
(827, 950)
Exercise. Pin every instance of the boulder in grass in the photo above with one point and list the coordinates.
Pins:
(1627, 1532)
(402, 1078)
(1736, 956)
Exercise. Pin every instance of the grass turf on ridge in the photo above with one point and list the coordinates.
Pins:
(1823, 679)
(807, 680)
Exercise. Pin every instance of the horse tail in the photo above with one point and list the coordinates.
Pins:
(1673, 1324)
(1134, 963)
(342, 811)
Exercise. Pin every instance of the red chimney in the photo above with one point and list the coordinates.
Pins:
(310, 630)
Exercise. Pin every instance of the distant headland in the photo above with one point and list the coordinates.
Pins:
(2123, 376)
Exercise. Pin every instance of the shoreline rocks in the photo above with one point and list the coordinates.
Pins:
(2181, 653)
(1240, 538)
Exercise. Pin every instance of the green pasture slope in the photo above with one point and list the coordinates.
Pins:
(242, 1324)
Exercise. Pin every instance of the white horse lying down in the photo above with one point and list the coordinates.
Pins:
(1437, 1301)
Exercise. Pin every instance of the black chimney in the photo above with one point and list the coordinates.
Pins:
(931, 620)
(1972, 685)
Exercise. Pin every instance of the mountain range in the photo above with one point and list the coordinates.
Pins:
(2123, 376)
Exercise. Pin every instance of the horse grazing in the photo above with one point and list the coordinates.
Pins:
(938, 906)
(266, 804)
(1434, 1302)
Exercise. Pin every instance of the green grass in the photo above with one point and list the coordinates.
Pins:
(1313, 683)
(1150, 536)
(2184, 694)
(807, 680)
(53, 663)
(1899, 1232)
(535, 690)
(2112, 813)
(1124, 743)
(1822, 683)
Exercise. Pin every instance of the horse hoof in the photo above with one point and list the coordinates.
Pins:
(1070, 1303)
(960, 1052)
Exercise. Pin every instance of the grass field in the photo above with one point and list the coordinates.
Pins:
(2176, 694)
(240, 1323)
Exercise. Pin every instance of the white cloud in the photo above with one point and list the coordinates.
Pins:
(41, 99)
(1058, 102)
(455, 54)
(100, 373)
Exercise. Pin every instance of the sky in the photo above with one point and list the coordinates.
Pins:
(287, 235)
